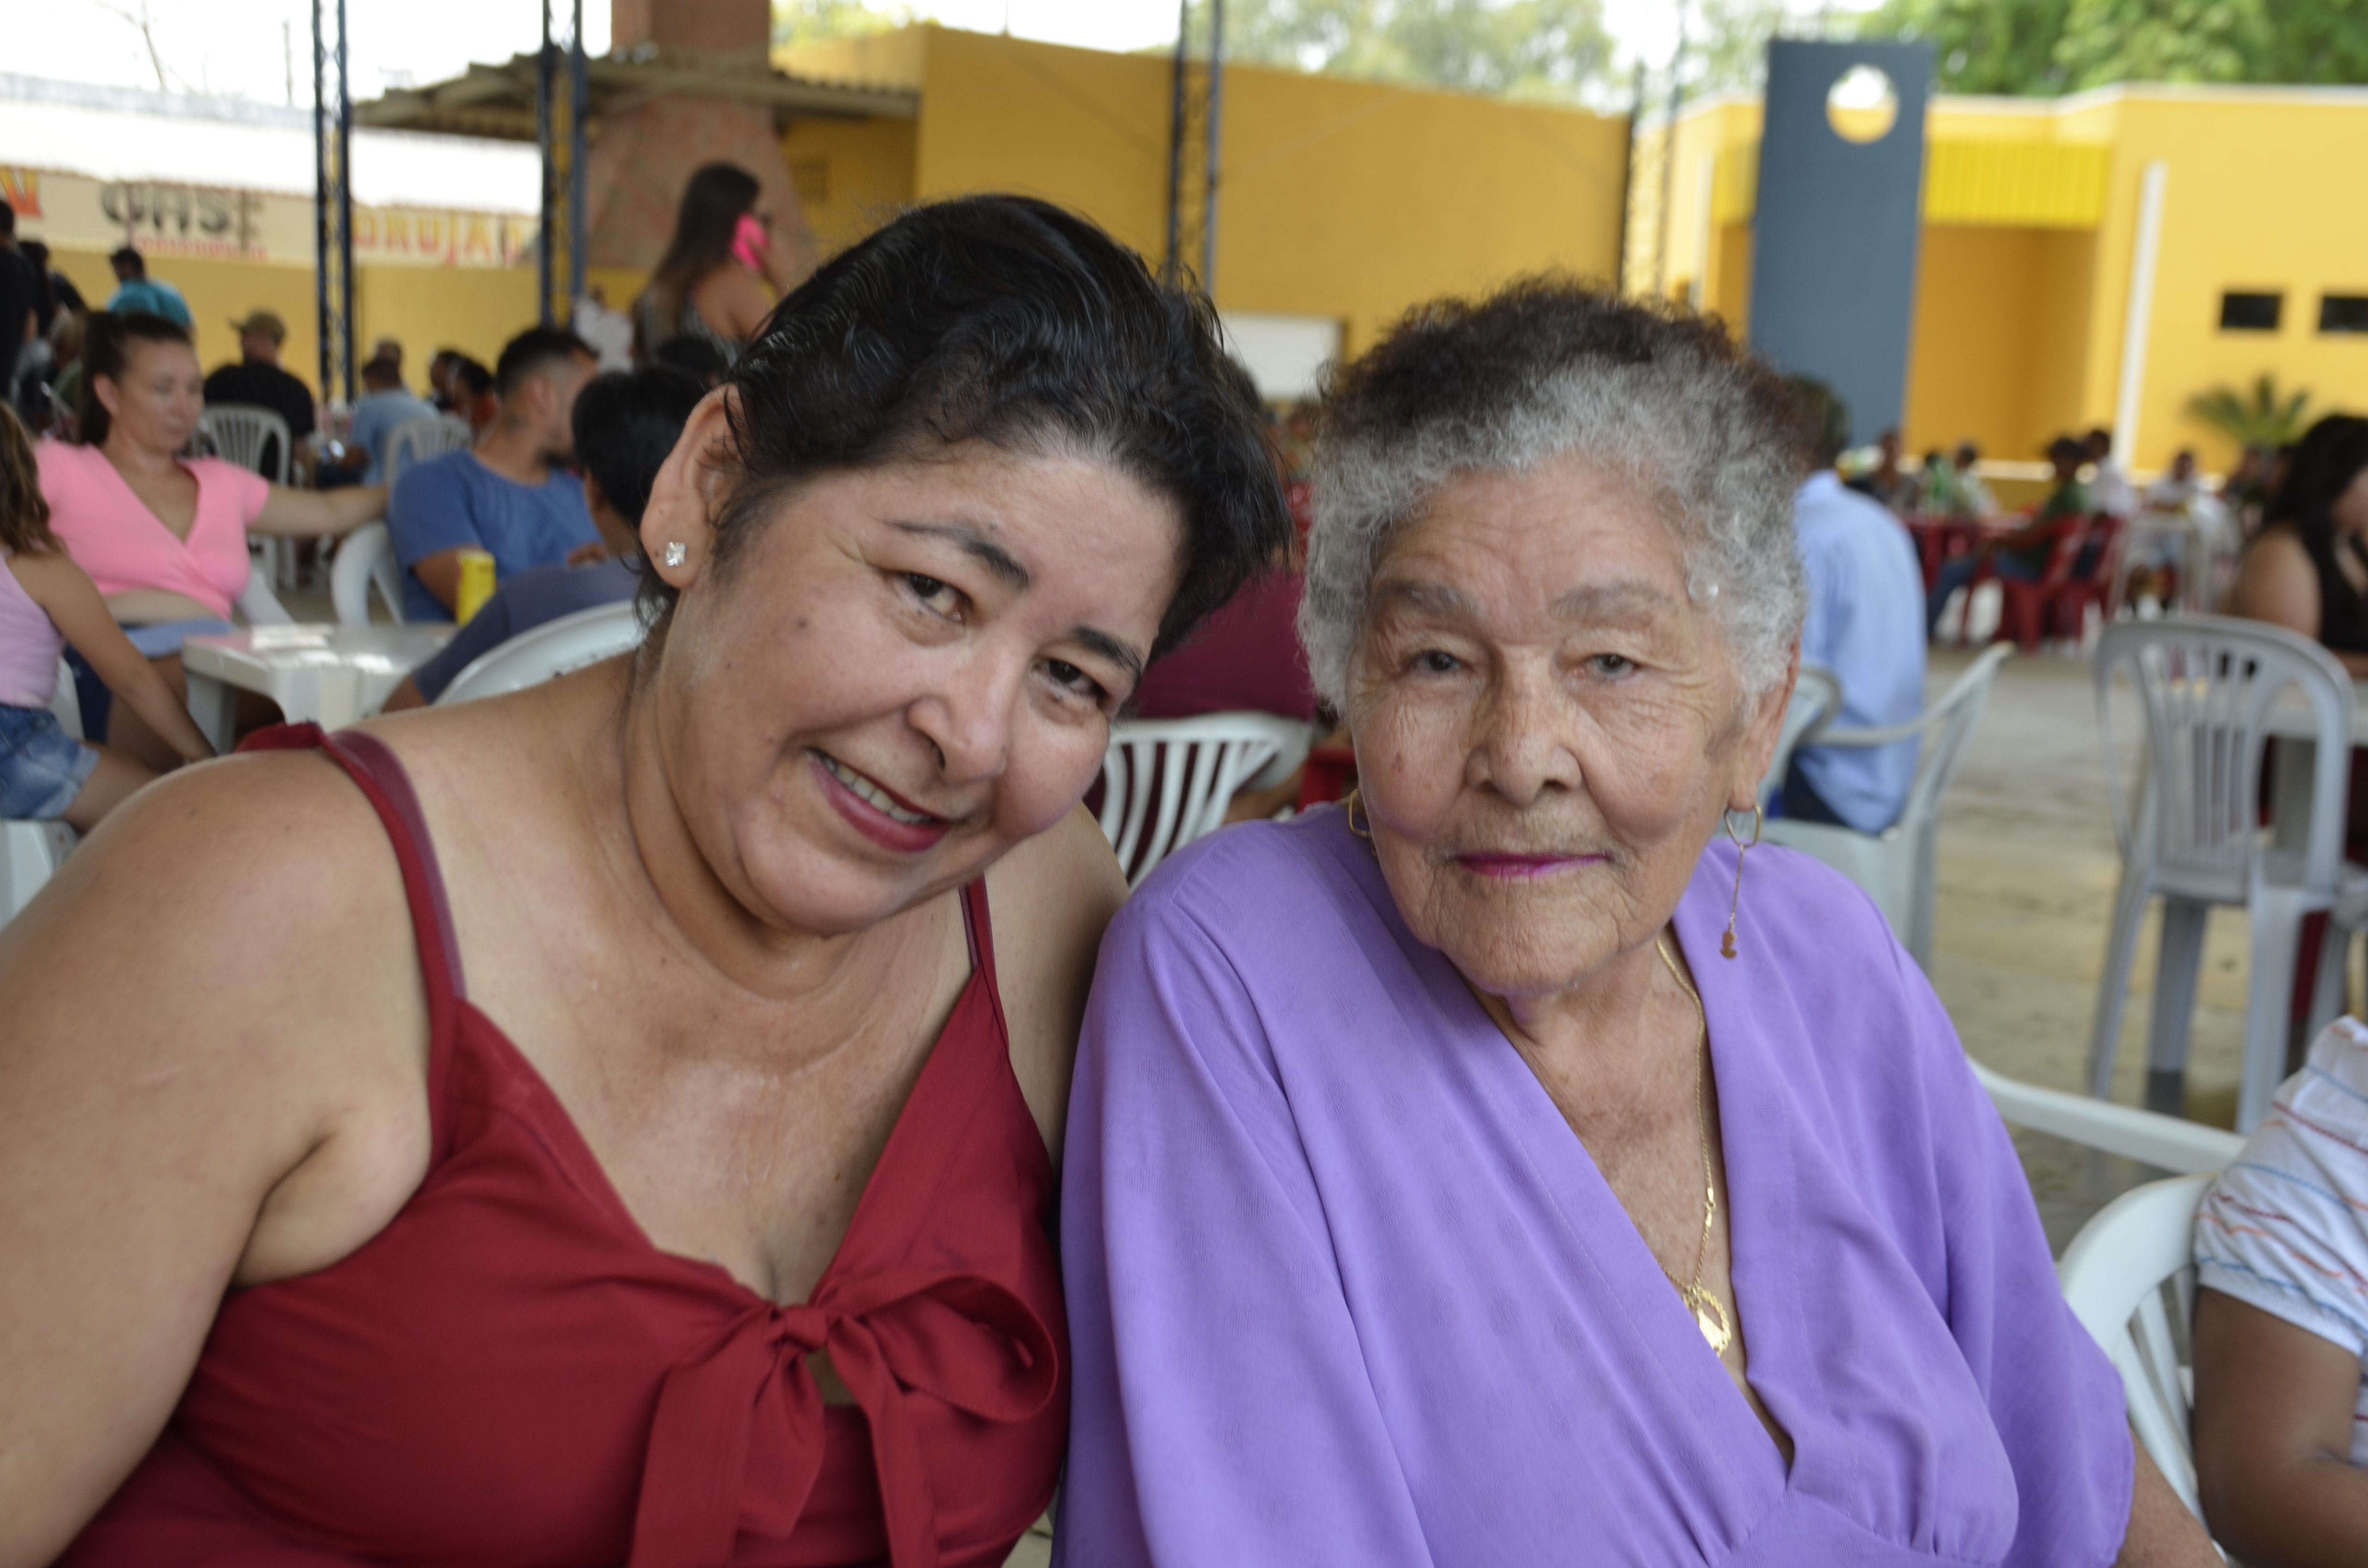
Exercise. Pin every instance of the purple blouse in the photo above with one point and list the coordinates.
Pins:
(1344, 1289)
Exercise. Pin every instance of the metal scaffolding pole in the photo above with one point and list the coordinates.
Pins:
(333, 200)
(563, 103)
(1195, 142)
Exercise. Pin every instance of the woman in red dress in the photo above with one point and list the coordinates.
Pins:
(615, 1123)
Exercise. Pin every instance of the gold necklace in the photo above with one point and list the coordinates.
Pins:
(1710, 1314)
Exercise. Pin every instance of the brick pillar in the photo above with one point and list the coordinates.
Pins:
(642, 156)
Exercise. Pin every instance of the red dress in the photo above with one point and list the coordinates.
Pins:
(510, 1373)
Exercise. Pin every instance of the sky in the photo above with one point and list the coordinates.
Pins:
(262, 49)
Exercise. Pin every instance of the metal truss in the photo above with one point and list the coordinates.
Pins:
(333, 199)
(1195, 135)
(561, 104)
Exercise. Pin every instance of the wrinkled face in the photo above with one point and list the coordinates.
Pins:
(904, 673)
(155, 403)
(1547, 729)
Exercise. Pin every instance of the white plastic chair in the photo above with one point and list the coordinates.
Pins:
(1894, 867)
(550, 649)
(2206, 684)
(1168, 781)
(2130, 1278)
(1816, 698)
(415, 440)
(2166, 1142)
(365, 560)
(31, 852)
(241, 435)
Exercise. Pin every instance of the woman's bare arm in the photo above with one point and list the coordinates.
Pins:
(2273, 1424)
(2162, 1533)
(210, 1014)
(67, 596)
(309, 512)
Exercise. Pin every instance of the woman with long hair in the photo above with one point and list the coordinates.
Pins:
(2308, 570)
(162, 535)
(722, 271)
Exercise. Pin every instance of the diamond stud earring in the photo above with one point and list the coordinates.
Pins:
(676, 554)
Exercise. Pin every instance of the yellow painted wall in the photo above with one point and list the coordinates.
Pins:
(1348, 199)
(852, 175)
(1082, 128)
(475, 310)
(1728, 295)
(2256, 196)
(1999, 352)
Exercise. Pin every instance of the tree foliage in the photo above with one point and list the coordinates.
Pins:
(812, 21)
(2047, 47)
(1522, 48)
(2262, 417)
(1726, 44)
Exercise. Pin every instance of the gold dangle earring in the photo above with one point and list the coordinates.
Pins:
(1350, 805)
(1726, 943)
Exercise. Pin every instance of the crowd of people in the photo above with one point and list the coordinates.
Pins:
(723, 1104)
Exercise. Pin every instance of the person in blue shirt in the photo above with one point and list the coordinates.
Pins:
(626, 426)
(1865, 624)
(386, 406)
(511, 497)
(135, 290)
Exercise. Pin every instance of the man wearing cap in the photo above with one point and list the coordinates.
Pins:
(257, 381)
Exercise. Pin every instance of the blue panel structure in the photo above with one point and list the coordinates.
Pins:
(1833, 260)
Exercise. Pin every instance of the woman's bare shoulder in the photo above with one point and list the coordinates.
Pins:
(247, 862)
(1051, 899)
(2277, 582)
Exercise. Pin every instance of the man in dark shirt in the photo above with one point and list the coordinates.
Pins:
(21, 301)
(257, 381)
(59, 289)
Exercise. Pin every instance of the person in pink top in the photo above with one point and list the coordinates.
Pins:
(164, 536)
(45, 601)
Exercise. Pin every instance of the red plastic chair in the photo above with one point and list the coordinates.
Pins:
(2023, 614)
(2067, 610)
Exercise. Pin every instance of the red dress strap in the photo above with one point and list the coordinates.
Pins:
(379, 776)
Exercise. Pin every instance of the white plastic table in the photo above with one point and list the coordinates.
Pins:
(329, 674)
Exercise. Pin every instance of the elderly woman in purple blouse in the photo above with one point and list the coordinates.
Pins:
(1491, 1173)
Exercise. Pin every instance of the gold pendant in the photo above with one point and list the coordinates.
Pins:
(1710, 1316)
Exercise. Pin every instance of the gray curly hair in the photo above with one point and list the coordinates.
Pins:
(1659, 395)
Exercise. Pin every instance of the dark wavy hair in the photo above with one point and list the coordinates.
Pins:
(106, 349)
(626, 425)
(24, 510)
(2330, 456)
(1005, 319)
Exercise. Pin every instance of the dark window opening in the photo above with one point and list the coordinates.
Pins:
(2249, 313)
(2343, 312)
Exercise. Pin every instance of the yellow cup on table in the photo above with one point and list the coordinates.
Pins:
(476, 583)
